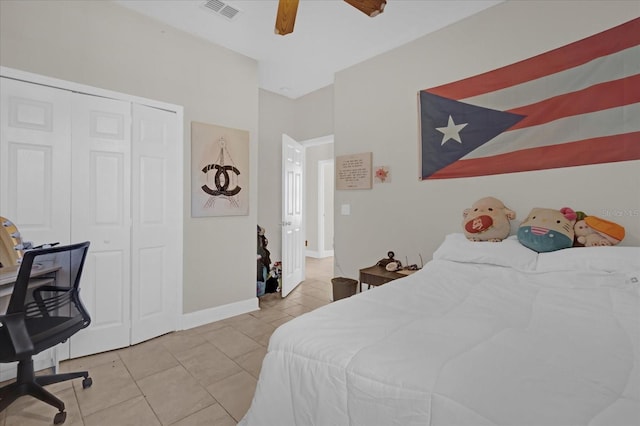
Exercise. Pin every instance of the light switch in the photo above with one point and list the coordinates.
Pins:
(345, 209)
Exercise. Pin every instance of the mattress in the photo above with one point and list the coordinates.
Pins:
(465, 342)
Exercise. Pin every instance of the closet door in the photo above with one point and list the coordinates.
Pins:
(100, 213)
(156, 204)
(34, 160)
(35, 171)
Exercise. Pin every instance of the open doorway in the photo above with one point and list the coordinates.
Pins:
(319, 188)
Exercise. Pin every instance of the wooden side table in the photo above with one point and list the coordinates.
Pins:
(377, 275)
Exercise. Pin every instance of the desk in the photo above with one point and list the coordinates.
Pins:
(377, 275)
(9, 274)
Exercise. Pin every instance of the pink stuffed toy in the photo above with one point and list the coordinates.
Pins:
(487, 220)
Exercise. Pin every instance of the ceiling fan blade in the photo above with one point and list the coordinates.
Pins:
(369, 7)
(286, 17)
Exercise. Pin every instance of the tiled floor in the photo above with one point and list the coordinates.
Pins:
(203, 376)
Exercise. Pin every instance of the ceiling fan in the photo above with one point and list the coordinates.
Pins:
(287, 10)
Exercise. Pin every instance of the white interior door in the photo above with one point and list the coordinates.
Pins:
(100, 212)
(35, 170)
(156, 205)
(293, 268)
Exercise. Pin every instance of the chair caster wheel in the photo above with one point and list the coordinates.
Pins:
(87, 382)
(60, 418)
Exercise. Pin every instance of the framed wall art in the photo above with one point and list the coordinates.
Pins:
(219, 171)
(354, 171)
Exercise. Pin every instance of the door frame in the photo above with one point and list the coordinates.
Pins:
(322, 249)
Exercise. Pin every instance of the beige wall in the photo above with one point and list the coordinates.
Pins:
(376, 110)
(102, 44)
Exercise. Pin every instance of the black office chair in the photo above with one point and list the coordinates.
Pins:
(44, 310)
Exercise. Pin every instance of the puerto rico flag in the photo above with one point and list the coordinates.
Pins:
(575, 105)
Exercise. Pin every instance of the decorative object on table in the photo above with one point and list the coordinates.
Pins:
(382, 174)
(547, 230)
(354, 171)
(591, 231)
(487, 220)
(219, 171)
(11, 244)
(388, 260)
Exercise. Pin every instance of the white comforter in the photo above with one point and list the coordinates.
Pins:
(461, 344)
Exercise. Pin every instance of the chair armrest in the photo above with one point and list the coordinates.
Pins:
(49, 288)
(17, 330)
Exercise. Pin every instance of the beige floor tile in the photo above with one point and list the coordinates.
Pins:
(205, 328)
(207, 364)
(88, 362)
(134, 412)
(252, 361)
(28, 411)
(264, 338)
(312, 302)
(235, 393)
(268, 314)
(213, 415)
(231, 341)
(174, 394)
(180, 341)
(298, 310)
(278, 323)
(145, 360)
(112, 384)
(252, 326)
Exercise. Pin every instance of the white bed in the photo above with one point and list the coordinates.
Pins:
(485, 334)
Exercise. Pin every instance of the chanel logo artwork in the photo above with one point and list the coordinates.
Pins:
(220, 179)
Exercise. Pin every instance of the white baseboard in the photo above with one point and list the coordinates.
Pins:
(206, 316)
(319, 254)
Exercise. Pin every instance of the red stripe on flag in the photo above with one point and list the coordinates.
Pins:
(595, 98)
(606, 149)
(563, 58)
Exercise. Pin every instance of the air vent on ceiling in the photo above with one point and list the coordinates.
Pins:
(221, 8)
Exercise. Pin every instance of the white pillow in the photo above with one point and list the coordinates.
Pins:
(607, 259)
(508, 252)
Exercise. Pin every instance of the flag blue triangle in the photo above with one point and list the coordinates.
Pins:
(482, 125)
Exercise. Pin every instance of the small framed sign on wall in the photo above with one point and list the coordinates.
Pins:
(354, 171)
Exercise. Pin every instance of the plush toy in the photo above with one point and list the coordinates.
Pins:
(487, 220)
(548, 229)
(594, 231)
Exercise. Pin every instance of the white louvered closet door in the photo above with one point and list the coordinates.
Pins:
(101, 213)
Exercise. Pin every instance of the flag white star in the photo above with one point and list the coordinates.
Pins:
(452, 131)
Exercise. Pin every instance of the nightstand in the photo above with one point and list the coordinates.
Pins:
(377, 275)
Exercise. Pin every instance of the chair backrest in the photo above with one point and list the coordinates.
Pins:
(46, 293)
